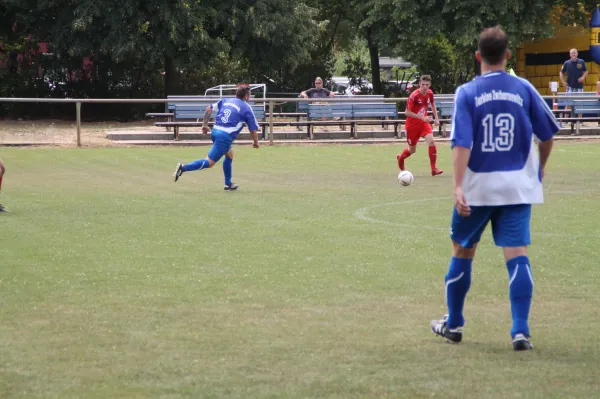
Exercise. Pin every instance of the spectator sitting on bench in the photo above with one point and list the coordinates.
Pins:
(317, 92)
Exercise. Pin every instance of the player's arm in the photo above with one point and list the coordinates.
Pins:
(330, 94)
(544, 125)
(461, 141)
(545, 148)
(207, 114)
(252, 124)
(254, 134)
(436, 120)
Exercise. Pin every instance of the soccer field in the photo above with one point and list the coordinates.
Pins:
(316, 279)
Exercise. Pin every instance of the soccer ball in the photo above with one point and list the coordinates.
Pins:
(405, 178)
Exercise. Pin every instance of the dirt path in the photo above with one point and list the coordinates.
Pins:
(62, 133)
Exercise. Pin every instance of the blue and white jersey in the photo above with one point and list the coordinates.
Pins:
(497, 116)
(232, 114)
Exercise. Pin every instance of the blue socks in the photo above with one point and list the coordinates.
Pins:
(197, 164)
(200, 164)
(227, 170)
(520, 290)
(458, 282)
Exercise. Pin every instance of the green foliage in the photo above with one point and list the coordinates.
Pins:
(439, 58)
(355, 63)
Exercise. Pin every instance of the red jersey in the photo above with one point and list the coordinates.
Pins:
(419, 104)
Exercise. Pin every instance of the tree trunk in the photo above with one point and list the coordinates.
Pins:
(374, 54)
(170, 75)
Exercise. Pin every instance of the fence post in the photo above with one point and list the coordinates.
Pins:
(271, 110)
(78, 119)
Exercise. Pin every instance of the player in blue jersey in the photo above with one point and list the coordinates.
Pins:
(497, 176)
(232, 115)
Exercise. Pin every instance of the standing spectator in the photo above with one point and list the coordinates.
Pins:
(576, 73)
(317, 92)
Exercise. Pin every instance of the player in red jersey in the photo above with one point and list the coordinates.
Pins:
(417, 124)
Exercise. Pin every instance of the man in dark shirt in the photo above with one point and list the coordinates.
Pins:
(576, 73)
(318, 91)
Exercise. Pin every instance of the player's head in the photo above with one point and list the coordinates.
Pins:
(319, 83)
(573, 54)
(243, 93)
(424, 83)
(493, 47)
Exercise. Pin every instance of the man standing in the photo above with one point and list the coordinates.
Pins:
(417, 124)
(318, 91)
(576, 73)
(497, 176)
(232, 115)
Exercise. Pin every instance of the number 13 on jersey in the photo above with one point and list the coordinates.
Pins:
(498, 132)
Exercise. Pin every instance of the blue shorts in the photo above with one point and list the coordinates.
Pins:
(221, 144)
(510, 225)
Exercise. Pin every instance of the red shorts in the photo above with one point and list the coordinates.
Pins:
(415, 132)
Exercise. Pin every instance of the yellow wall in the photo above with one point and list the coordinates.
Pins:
(564, 38)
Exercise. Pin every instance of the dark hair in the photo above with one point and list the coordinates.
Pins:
(493, 43)
(425, 78)
(241, 92)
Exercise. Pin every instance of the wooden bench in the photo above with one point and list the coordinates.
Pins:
(589, 108)
(192, 114)
(317, 112)
(302, 106)
(445, 110)
(170, 106)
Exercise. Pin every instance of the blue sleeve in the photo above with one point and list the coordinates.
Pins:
(564, 68)
(217, 106)
(583, 67)
(251, 119)
(543, 122)
(462, 121)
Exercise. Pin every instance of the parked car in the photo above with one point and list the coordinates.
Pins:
(400, 87)
(344, 86)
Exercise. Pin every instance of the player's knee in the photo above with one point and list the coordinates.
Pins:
(461, 252)
(412, 149)
(513, 252)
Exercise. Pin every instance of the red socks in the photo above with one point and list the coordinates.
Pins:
(432, 156)
(0, 183)
(405, 154)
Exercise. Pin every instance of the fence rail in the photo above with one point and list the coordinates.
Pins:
(270, 101)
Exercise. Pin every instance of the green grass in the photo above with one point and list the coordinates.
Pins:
(317, 279)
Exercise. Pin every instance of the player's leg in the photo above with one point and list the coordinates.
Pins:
(510, 227)
(215, 153)
(432, 153)
(465, 234)
(227, 166)
(412, 138)
(2, 170)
